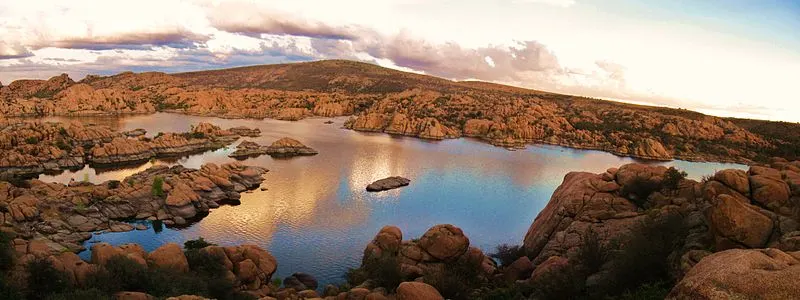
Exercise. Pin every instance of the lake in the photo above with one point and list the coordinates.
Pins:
(316, 216)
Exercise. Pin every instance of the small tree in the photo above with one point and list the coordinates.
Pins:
(673, 178)
(158, 186)
(506, 254)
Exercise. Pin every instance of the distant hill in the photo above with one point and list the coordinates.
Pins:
(396, 102)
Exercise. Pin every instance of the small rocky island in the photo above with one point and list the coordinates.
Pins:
(247, 149)
(388, 183)
(288, 147)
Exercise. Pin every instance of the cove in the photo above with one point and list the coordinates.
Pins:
(315, 215)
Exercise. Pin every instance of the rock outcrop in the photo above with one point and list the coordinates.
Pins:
(288, 147)
(425, 257)
(742, 274)
(248, 149)
(65, 215)
(388, 184)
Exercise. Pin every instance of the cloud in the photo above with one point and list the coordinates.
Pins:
(252, 20)
(13, 50)
(173, 38)
(559, 3)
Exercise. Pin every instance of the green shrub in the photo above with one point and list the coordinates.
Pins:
(195, 244)
(32, 140)
(458, 279)
(113, 184)
(647, 291)
(44, 280)
(90, 294)
(198, 135)
(591, 255)
(645, 253)
(62, 131)
(60, 144)
(564, 284)
(120, 274)
(673, 178)
(158, 187)
(384, 270)
(640, 189)
(6, 253)
(506, 254)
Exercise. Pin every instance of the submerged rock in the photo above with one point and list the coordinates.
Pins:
(287, 147)
(388, 184)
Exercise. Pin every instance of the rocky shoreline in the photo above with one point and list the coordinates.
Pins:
(501, 116)
(32, 148)
(735, 234)
(66, 215)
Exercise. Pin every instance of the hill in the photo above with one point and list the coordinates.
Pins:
(396, 102)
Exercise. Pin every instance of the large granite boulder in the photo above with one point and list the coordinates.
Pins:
(742, 274)
(417, 291)
(444, 242)
(169, 256)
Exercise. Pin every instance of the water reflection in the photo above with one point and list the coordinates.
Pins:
(315, 215)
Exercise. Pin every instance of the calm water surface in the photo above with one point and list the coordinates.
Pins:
(316, 216)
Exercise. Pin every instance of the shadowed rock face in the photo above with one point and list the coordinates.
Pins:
(66, 215)
(384, 100)
(388, 184)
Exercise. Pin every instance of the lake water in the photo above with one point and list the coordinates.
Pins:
(316, 216)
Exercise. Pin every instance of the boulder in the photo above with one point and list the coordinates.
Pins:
(169, 256)
(734, 179)
(307, 280)
(742, 274)
(769, 192)
(388, 184)
(287, 147)
(740, 222)
(132, 296)
(444, 242)
(417, 291)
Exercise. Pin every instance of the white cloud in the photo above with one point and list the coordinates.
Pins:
(559, 3)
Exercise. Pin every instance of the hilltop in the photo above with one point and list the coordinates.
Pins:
(386, 100)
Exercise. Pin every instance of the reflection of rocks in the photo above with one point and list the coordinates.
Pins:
(65, 214)
(135, 133)
(388, 184)
(245, 131)
(287, 147)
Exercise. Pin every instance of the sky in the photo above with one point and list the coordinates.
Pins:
(723, 57)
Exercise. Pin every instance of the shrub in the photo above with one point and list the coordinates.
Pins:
(158, 187)
(60, 144)
(120, 274)
(458, 279)
(591, 255)
(640, 189)
(113, 184)
(32, 140)
(90, 294)
(644, 255)
(44, 279)
(507, 254)
(198, 135)
(565, 284)
(384, 270)
(647, 291)
(6, 253)
(62, 131)
(673, 178)
(197, 244)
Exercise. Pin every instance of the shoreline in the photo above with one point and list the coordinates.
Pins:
(697, 158)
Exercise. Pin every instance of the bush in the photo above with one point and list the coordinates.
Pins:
(120, 274)
(198, 135)
(62, 131)
(60, 144)
(673, 178)
(384, 270)
(6, 253)
(645, 253)
(32, 140)
(458, 279)
(113, 184)
(506, 254)
(158, 187)
(591, 254)
(197, 244)
(44, 279)
(565, 284)
(90, 294)
(647, 291)
(640, 189)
